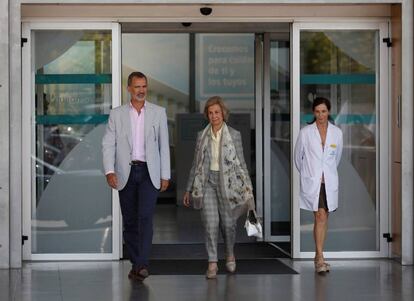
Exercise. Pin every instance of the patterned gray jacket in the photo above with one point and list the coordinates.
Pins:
(237, 141)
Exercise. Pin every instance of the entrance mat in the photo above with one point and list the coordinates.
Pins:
(198, 267)
(255, 250)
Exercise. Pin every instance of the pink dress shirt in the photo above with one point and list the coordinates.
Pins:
(138, 133)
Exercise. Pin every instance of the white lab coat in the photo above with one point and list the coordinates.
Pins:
(311, 161)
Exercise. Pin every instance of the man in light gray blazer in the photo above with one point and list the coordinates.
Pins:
(136, 159)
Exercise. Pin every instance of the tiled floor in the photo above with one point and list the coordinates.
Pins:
(349, 280)
(354, 280)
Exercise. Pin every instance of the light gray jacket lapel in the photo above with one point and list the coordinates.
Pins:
(148, 119)
(126, 120)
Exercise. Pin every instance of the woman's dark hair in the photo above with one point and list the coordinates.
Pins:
(319, 101)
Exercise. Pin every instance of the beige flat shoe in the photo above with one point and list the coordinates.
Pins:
(231, 266)
(320, 267)
(327, 265)
(211, 274)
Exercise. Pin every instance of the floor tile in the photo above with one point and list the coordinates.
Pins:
(355, 280)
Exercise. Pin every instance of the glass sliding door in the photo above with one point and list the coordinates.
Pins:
(345, 65)
(71, 206)
(277, 133)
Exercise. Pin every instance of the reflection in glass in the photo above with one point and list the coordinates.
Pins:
(342, 66)
(225, 67)
(73, 208)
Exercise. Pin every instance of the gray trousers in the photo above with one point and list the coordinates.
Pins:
(215, 214)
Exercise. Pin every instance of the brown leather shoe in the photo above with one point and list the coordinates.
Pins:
(138, 275)
(143, 272)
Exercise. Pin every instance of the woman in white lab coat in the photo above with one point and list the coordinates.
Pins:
(317, 154)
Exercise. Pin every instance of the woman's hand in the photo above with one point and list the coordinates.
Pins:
(186, 199)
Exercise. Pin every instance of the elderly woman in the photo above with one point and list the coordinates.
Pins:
(317, 154)
(219, 183)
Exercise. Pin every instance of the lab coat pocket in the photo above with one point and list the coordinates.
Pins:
(332, 183)
(309, 185)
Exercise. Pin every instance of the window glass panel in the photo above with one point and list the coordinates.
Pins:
(72, 210)
(280, 137)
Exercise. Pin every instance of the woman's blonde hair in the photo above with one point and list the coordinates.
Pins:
(217, 100)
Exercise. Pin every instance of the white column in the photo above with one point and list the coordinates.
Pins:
(15, 135)
(4, 135)
(407, 113)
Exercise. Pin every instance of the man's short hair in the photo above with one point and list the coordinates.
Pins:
(138, 75)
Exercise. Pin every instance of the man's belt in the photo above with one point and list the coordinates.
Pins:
(137, 162)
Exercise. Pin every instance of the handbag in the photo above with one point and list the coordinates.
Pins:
(252, 224)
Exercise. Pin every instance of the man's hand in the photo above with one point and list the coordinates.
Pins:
(112, 180)
(164, 185)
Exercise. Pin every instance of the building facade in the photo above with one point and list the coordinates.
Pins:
(66, 64)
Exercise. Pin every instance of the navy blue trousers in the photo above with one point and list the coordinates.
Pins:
(138, 200)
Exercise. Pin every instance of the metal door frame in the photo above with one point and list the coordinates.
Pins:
(28, 134)
(383, 110)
